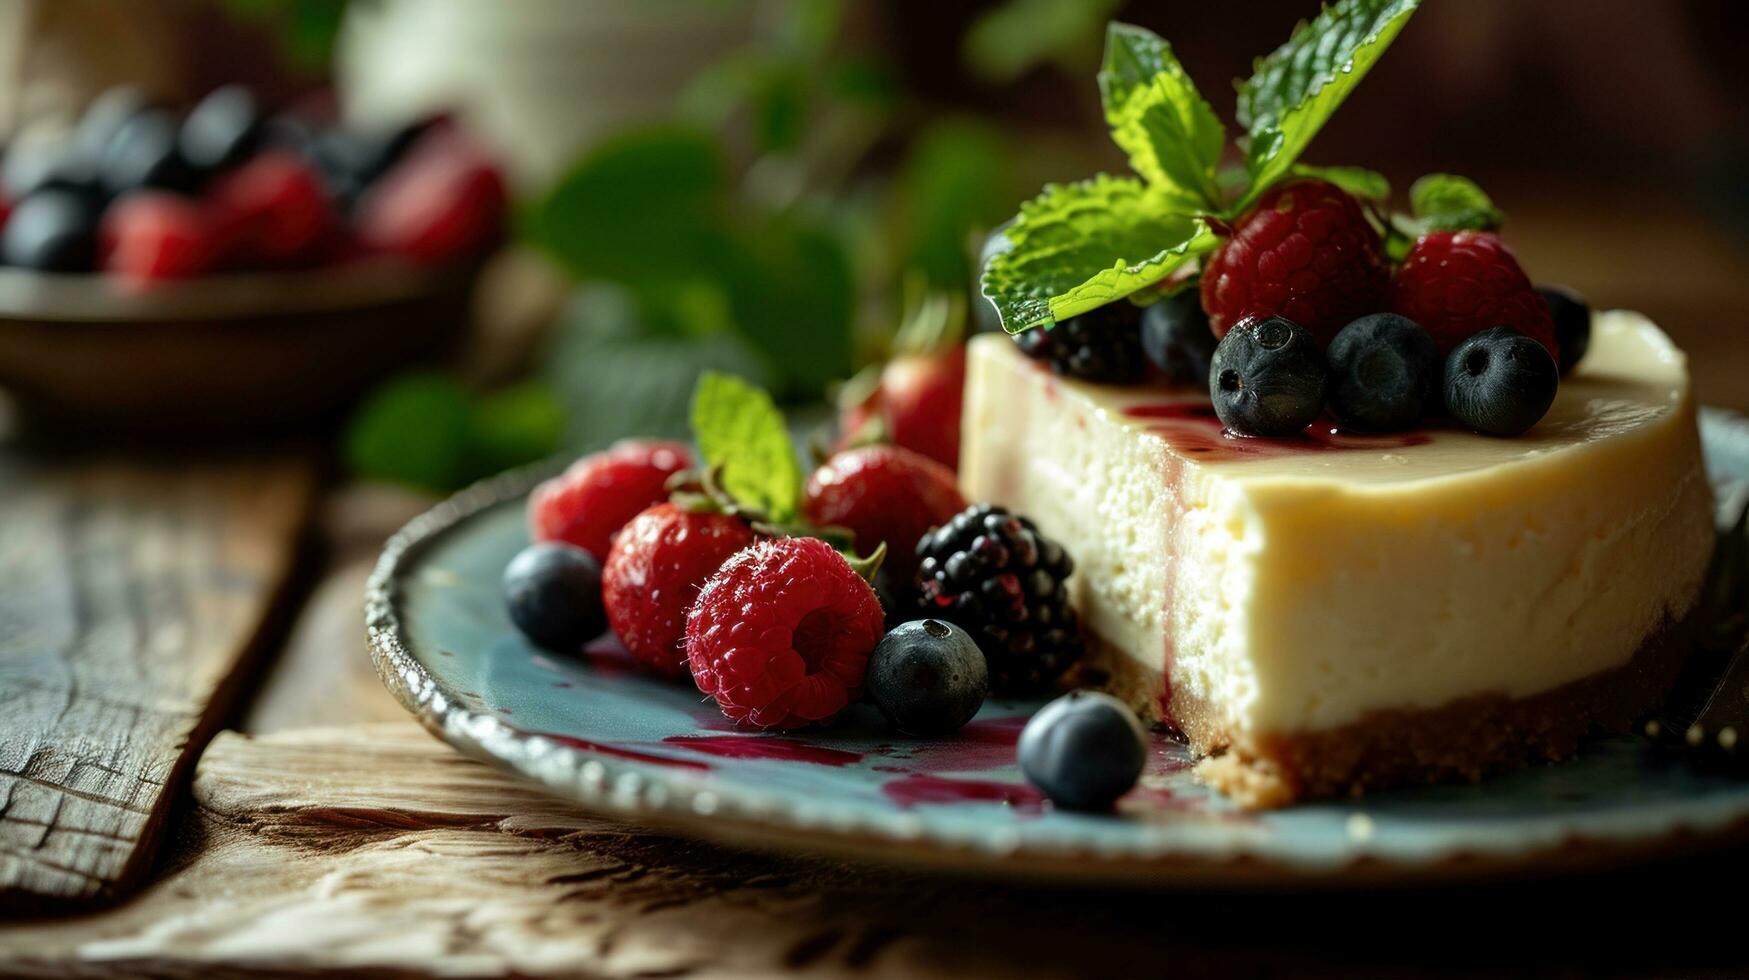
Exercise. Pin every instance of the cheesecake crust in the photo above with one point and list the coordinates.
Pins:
(1466, 739)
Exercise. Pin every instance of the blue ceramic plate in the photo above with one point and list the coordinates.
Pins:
(596, 730)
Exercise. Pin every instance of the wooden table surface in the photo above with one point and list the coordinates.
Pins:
(327, 834)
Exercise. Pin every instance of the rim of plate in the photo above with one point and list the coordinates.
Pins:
(685, 805)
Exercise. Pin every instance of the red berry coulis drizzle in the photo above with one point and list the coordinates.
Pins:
(764, 747)
(922, 788)
(1194, 429)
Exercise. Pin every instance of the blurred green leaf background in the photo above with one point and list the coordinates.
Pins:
(762, 228)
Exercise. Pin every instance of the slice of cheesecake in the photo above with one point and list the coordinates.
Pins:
(1328, 614)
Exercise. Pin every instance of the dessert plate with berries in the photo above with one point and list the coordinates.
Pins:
(1286, 540)
(225, 268)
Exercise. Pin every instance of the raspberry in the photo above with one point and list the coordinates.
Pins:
(274, 210)
(992, 574)
(781, 635)
(883, 493)
(443, 203)
(1305, 252)
(1457, 284)
(149, 236)
(653, 573)
(599, 493)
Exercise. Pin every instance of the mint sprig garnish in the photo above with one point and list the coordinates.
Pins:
(1082, 245)
(1447, 202)
(1368, 185)
(1296, 88)
(1441, 202)
(742, 436)
(1173, 138)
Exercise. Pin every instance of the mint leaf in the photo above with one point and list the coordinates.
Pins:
(412, 430)
(740, 430)
(1079, 246)
(1156, 114)
(513, 426)
(1368, 185)
(1447, 202)
(1295, 89)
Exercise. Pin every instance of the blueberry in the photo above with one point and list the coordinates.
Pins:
(105, 116)
(1177, 338)
(143, 153)
(36, 164)
(1384, 374)
(928, 677)
(1084, 750)
(1500, 382)
(222, 130)
(1267, 378)
(53, 230)
(553, 591)
(1572, 323)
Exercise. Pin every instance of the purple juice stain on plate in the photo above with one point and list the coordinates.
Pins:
(923, 789)
(774, 747)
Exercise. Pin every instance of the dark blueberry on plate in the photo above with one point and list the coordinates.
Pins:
(1572, 323)
(927, 677)
(1384, 374)
(144, 153)
(1103, 344)
(1500, 382)
(53, 230)
(1268, 378)
(1084, 750)
(1177, 338)
(553, 592)
(222, 130)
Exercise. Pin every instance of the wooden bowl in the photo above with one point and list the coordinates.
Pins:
(229, 354)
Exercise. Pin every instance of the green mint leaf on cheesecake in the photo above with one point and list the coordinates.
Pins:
(1447, 202)
(741, 433)
(1441, 202)
(1157, 116)
(1079, 246)
(1295, 89)
(1368, 185)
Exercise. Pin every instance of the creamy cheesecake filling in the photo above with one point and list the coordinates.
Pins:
(1300, 585)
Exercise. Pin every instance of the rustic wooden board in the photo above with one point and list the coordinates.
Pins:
(374, 850)
(128, 598)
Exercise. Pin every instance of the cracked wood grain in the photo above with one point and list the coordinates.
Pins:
(128, 597)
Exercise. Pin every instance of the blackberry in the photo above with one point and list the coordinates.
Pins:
(1103, 345)
(994, 575)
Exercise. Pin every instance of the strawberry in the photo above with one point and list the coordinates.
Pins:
(1305, 252)
(1456, 284)
(654, 571)
(272, 211)
(920, 397)
(598, 494)
(443, 203)
(883, 493)
(149, 236)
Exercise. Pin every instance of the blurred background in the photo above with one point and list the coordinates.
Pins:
(773, 187)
